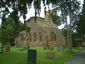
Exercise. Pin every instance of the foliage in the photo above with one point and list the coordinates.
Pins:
(64, 31)
(8, 30)
(81, 23)
(30, 62)
(55, 18)
(77, 40)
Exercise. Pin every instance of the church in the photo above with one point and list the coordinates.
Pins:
(43, 33)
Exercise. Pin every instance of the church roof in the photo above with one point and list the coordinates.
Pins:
(43, 22)
(34, 17)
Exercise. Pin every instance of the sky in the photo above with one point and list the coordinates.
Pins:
(32, 13)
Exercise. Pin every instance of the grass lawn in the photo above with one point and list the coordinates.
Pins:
(15, 56)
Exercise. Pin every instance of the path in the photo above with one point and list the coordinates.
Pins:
(78, 59)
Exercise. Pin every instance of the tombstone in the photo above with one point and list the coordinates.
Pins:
(50, 55)
(60, 48)
(32, 56)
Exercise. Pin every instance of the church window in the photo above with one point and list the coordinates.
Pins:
(40, 34)
(53, 36)
(35, 36)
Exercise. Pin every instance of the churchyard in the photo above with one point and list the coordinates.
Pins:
(17, 56)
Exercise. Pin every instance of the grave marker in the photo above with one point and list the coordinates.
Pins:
(32, 56)
(60, 48)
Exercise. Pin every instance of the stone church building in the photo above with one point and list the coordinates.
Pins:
(44, 33)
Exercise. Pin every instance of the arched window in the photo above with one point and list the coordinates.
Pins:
(54, 39)
(35, 36)
(40, 34)
(53, 36)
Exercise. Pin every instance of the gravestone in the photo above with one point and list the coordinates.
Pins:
(60, 48)
(50, 55)
(32, 56)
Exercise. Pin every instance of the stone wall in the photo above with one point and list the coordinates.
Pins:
(45, 27)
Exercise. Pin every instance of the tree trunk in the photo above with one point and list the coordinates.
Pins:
(67, 27)
(70, 35)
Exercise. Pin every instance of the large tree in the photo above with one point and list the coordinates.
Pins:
(71, 9)
(6, 33)
(9, 31)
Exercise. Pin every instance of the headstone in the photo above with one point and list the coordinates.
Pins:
(60, 48)
(50, 55)
(32, 56)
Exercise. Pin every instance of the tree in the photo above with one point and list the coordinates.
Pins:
(71, 9)
(9, 31)
(77, 40)
(6, 33)
(14, 27)
(55, 18)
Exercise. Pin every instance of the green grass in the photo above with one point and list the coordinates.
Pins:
(15, 56)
